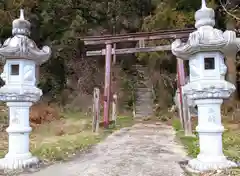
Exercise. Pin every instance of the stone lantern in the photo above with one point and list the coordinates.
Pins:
(205, 50)
(21, 57)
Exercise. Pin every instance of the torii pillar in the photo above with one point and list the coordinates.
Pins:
(107, 86)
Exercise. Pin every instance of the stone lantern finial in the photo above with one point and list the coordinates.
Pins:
(204, 4)
(204, 16)
(21, 26)
(21, 14)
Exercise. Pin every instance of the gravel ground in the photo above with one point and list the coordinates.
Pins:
(142, 150)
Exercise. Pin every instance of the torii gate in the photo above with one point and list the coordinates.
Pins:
(140, 37)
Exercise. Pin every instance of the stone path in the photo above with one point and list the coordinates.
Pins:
(142, 150)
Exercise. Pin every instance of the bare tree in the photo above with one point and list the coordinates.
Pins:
(231, 7)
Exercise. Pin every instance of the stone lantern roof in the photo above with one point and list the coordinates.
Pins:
(206, 38)
(20, 46)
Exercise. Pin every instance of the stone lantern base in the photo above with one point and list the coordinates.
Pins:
(202, 166)
(24, 161)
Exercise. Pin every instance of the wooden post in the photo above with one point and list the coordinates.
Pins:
(37, 73)
(184, 107)
(96, 110)
(180, 83)
(107, 88)
(114, 55)
(114, 109)
(187, 117)
(130, 50)
(179, 106)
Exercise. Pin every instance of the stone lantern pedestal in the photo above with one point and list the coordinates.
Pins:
(20, 56)
(205, 50)
(209, 99)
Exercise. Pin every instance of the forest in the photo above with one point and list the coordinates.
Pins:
(60, 23)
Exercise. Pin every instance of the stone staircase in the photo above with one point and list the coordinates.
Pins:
(144, 97)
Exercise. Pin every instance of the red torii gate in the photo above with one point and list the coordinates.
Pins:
(140, 37)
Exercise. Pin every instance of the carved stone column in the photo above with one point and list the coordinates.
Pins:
(18, 130)
(210, 131)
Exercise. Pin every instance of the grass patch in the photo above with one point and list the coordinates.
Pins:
(122, 121)
(231, 143)
(62, 138)
(189, 142)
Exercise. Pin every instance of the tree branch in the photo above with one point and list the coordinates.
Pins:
(227, 11)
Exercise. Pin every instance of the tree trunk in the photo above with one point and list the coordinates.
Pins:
(231, 62)
(232, 72)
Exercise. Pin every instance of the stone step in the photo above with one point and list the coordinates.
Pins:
(144, 93)
(144, 102)
(140, 105)
(149, 96)
(143, 99)
(144, 113)
(143, 89)
(144, 110)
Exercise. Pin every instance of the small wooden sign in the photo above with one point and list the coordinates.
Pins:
(114, 108)
(96, 110)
